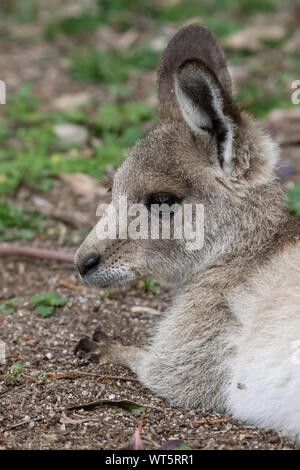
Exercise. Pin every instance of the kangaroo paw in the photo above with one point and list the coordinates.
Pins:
(95, 349)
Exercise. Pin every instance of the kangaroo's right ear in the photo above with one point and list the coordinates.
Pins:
(194, 83)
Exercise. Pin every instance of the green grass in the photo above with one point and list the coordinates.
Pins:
(193, 8)
(72, 26)
(259, 101)
(15, 223)
(112, 67)
(36, 156)
(8, 307)
(30, 153)
(234, 10)
(24, 11)
(223, 17)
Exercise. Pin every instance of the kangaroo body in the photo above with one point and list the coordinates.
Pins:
(231, 339)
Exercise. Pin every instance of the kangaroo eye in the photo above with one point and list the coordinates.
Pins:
(162, 202)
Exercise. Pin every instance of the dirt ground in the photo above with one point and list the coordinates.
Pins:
(34, 412)
(46, 345)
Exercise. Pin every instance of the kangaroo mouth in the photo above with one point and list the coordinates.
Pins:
(108, 277)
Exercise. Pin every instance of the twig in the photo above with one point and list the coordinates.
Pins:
(141, 421)
(24, 421)
(69, 285)
(212, 421)
(75, 374)
(10, 250)
(116, 377)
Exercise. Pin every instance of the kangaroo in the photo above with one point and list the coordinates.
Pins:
(231, 339)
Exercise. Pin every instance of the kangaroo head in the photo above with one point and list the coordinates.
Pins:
(203, 150)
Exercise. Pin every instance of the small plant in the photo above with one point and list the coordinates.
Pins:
(40, 377)
(45, 302)
(150, 285)
(15, 374)
(9, 306)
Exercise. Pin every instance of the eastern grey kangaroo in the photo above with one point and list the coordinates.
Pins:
(231, 339)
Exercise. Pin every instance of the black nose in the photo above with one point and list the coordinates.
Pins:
(88, 263)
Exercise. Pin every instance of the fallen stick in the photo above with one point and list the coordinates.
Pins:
(74, 374)
(12, 250)
(21, 423)
(69, 285)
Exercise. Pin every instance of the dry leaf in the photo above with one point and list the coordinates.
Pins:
(131, 406)
(136, 441)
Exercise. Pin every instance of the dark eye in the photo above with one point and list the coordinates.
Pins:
(163, 199)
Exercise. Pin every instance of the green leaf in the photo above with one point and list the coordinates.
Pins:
(44, 310)
(45, 302)
(8, 307)
(133, 408)
(36, 299)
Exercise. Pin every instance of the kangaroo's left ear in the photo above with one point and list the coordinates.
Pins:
(194, 83)
(206, 107)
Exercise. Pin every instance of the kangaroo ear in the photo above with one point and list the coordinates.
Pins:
(193, 82)
(206, 107)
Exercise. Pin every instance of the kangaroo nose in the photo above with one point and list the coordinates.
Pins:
(89, 262)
